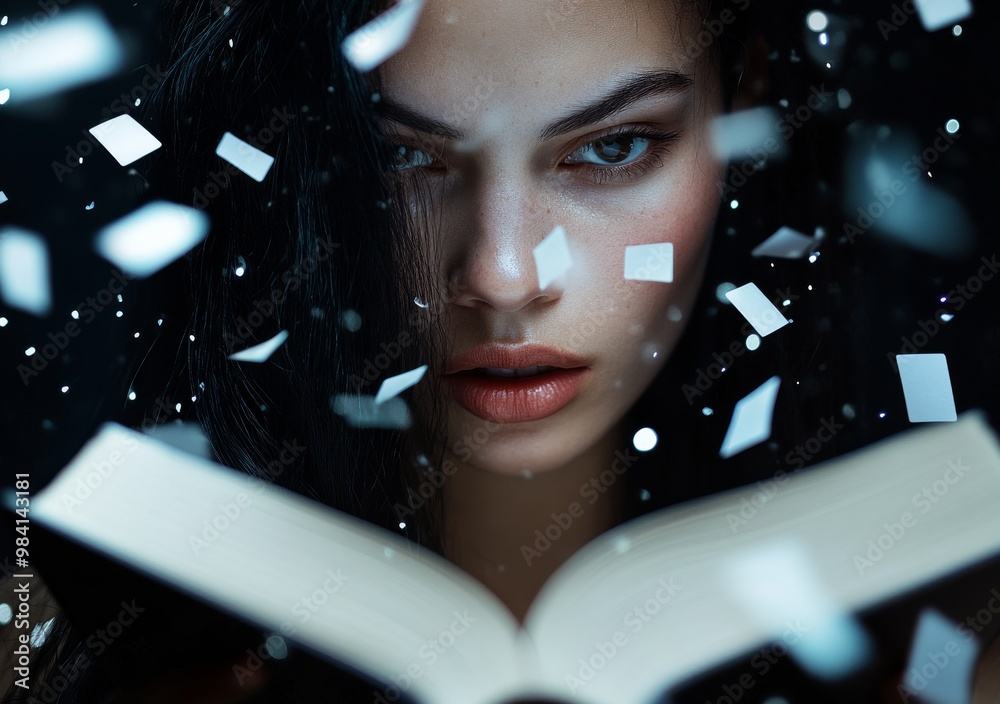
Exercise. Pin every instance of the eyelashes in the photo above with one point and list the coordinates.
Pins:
(605, 158)
(655, 145)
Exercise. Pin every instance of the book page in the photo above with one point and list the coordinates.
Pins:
(652, 601)
(290, 565)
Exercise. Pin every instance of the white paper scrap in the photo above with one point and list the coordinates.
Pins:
(746, 134)
(395, 385)
(751, 423)
(361, 411)
(786, 243)
(3, 197)
(245, 157)
(125, 139)
(758, 311)
(71, 48)
(935, 14)
(926, 387)
(151, 237)
(24, 271)
(263, 351)
(375, 42)
(939, 670)
(552, 258)
(650, 262)
(778, 586)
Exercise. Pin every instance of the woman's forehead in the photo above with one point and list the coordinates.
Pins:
(532, 47)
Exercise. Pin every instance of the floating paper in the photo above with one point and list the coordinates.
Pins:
(926, 387)
(941, 662)
(263, 351)
(125, 139)
(3, 197)
(758, 311)
(552, 258)
(747, 133)
(935, 14)
(778, 586)
(24, 271)
(71, 48)
(245, 157)
(751, 423)
(786, 243)
(361, 411)
(395, 385)
(650, 262)
(151, 237)
(376, 41)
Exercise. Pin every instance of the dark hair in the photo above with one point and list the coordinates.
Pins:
(288, 90)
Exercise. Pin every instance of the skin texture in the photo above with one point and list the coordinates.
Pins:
(499, 73)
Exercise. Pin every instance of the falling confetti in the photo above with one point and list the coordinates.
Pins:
(24, 271)
(935, 14)
(751, 423)
(777, 584)
(376, 41)
(245, 157)
(926, 387)
(395, 385)
(125, 139)
(552, 258)
(361, 411)
(786, 243)
(262, 352)
(151, 237)
(72, 48)
(758, 311)
(941, 663)
(650, 262)
(739, 135)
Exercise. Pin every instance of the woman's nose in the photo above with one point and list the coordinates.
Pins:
(496, 236)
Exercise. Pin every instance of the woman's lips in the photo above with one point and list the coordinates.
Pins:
(515, 399)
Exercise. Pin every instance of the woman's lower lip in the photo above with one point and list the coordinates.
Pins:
(515, 399)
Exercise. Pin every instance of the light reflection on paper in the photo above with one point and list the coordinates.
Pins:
(74, 47)
(151, 237)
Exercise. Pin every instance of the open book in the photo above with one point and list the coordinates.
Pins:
(638, 611)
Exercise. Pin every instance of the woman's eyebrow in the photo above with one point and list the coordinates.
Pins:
(626, 91)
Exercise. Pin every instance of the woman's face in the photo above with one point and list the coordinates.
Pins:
(520, 116)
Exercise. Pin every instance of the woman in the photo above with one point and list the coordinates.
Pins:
(493, 126)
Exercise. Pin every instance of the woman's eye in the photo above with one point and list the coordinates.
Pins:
(410, 158)
(613, 150)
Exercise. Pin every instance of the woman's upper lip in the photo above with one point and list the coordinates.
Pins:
(513, 357)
